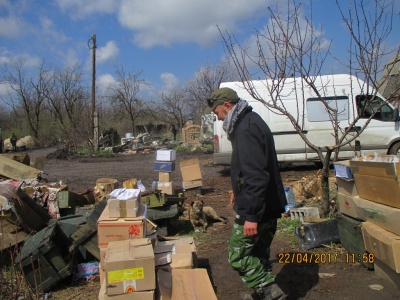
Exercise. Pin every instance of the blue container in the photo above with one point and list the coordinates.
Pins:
(164, 166)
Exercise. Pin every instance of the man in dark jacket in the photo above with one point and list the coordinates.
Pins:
(258, 196)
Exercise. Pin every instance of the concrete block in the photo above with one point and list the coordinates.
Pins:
(304, 212)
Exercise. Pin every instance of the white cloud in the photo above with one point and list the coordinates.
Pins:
(169, 81)
(104, 81)
(11, 27)
(109, 52)
(163, 22)
(79, 9)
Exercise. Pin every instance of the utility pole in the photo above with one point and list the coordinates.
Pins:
(94, 116)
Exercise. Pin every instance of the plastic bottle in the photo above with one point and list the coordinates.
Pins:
(154, 184)
(291, 200)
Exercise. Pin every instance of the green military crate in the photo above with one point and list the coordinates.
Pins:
(68, 199)
(44, 259)
(164, 212)
(152, 199)
(352, 239)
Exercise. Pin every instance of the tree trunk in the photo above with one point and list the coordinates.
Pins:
(325, 201)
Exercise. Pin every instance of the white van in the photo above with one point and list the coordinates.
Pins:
(344, 91)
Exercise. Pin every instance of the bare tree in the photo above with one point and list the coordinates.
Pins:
(125, 93)
(27, 96)
(290, 51)
(205, 81)
(68, 102)
(173, 108)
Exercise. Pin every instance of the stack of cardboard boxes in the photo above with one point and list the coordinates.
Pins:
(135, 260)
(191, 174)
(369, 198)
(164, 165)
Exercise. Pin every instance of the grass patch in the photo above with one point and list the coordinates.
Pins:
(85, 152)
(286, 229)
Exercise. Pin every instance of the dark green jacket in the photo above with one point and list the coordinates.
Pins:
(256, 180)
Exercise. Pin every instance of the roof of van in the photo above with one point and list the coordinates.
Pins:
(336, 79)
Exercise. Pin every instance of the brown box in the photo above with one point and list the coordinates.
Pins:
(164, 176)
(383, 244)
(166, 187)
(347, 205)
(381, 215)
(190, 169)
(192, 284)
(192, 184)
(377, 181)
(129, 266)
(346, 186)
(145, 295)
(117, 229)
(176, 256)
(170, 241)
(124, 208)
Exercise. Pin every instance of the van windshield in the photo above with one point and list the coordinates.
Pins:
(368, 105)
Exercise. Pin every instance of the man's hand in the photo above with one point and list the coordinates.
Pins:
(250, 228)
(232, 200)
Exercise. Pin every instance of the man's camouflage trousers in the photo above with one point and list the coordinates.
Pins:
(249, 255)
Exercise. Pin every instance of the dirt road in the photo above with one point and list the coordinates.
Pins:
(330, 280)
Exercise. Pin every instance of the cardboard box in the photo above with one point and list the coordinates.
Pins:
(192, 284)
(381, 215)
(386, 273)
(124, 203)
(166, 187)
(145, 295)
(192, 184)
(343, 170)
(176, 256)
(190, 169)
(166, 155)
(116, 229)
(377, 181)
(164, 166)
(129, 266)
(170, 241)
(130, 184)
(101, 265)
(347, 205)
(383, 244)
(346, 186)
(164, 177)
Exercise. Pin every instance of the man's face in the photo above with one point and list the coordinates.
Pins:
(221, 111)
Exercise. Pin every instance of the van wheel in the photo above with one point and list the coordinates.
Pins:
(395, 149)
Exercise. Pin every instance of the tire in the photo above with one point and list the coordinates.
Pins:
(395, 149)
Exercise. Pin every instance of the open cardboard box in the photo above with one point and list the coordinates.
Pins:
(377, 181)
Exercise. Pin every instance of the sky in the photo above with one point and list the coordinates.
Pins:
(168, 40)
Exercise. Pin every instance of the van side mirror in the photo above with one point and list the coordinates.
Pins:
(396, 114)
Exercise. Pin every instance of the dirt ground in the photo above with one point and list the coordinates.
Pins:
(334, 280)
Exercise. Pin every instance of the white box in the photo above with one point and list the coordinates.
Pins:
(166, 155)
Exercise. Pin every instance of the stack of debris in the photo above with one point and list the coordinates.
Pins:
(135, 260)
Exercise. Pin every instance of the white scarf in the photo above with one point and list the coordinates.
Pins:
(233, 115)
